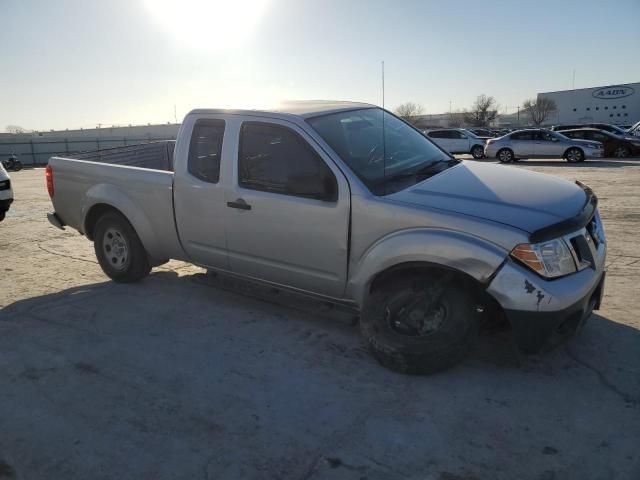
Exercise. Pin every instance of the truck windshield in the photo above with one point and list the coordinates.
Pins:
(386, 165)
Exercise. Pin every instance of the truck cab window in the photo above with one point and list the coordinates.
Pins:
(205, 149)
(276, 159)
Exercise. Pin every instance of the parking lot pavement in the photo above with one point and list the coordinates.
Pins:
(178, 377)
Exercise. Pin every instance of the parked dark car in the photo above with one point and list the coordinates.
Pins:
(614, 146)
(482, 132)
(607, 127)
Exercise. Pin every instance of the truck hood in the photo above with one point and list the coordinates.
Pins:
(513, 196)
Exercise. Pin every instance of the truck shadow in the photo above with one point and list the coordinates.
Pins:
(205, 361)
(166, 300)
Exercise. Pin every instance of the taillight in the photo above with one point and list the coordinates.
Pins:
(48, 173)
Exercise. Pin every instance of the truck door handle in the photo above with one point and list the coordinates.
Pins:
(239, 203)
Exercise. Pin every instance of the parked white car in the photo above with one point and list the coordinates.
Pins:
(541, 143)
(6, 193)
(457, 140)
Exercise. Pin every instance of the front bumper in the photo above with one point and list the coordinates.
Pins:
(490, 150)
(536, 331)
(544, 312)
(5, 204)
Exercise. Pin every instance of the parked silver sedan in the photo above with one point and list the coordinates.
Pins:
(541, 143)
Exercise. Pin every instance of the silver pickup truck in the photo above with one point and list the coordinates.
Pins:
(347, 202)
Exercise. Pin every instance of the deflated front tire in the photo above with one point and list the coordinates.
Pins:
(419, 324)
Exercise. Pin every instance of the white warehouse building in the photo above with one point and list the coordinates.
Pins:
(616, 104)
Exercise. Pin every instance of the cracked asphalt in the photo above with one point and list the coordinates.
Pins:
(185, 376)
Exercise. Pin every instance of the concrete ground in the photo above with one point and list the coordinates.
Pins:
(176, 378)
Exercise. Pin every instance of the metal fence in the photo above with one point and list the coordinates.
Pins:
(37, 151)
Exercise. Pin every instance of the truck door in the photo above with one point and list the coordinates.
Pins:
(287, 210)
(198, 193)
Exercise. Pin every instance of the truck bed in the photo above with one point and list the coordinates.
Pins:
(152, 155)
(137, 180)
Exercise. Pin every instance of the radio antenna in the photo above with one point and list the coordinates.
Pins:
(383, 84)
(384, 140)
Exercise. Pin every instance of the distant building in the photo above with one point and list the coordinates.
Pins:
(616, 104)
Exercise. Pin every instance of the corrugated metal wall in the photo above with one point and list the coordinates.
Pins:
(36, 149)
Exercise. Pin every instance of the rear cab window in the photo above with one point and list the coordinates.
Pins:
(205, 149)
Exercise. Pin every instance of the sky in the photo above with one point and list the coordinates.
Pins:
(79, 63)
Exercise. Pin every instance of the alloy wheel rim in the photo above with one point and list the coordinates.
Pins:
(621, 152)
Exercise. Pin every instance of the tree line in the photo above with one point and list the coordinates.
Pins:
(483, 111)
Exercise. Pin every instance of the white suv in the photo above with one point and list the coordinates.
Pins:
(457, 140)
(6, 193)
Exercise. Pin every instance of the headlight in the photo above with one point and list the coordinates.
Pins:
(550, 259)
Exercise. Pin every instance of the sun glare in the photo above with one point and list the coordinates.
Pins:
(208, 24)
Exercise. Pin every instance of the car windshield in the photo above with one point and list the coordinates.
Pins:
(387, 158)
(470, 133)
(618, 130)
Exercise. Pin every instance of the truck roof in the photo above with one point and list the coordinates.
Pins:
(304, 109)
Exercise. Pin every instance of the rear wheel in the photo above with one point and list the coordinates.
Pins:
(574, 155)
(119, 249)
(420, 324)
(621, 152)
(477, 151)
(505, 155)
(17, 166)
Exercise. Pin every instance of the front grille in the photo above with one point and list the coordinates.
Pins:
(5, 184)
(586, 242)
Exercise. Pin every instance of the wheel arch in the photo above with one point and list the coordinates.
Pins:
(94, 214)
(103, 198)
(420, 249)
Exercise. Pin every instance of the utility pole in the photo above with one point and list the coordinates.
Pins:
(518, 115)
(573, 82)
(175, 113)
